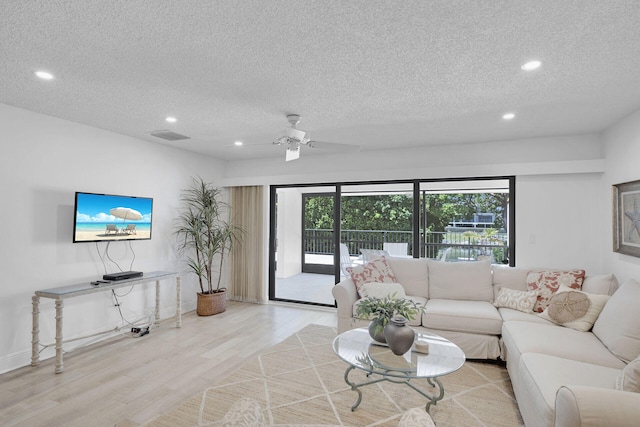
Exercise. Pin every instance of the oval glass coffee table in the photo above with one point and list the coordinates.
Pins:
(360, 351)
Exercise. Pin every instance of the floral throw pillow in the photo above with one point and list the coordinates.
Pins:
(517, 300)
(548, 282)
(377, 270)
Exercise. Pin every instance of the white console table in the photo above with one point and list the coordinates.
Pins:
(64, 292)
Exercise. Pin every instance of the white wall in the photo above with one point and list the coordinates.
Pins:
(622, 152)
(559, 221)
(43, 162)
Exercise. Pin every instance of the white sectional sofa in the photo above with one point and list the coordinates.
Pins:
(561, 376)
(458, 299)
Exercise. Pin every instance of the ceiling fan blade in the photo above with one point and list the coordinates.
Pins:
(321, 145)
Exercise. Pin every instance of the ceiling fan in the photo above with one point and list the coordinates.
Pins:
(295, 138)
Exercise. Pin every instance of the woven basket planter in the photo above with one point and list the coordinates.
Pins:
(210, 304)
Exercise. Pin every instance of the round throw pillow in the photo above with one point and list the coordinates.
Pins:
(568, 306)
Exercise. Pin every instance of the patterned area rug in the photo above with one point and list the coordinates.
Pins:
(301, 381)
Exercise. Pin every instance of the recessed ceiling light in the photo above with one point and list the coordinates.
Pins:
(44, 75)
(238, 143)
(171, 119)
(508, 116)
(531, 65)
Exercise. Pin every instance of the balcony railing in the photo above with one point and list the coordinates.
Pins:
(449, 246)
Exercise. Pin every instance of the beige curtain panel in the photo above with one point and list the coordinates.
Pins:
(247, 265)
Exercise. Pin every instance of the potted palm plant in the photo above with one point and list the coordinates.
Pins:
(204, 232)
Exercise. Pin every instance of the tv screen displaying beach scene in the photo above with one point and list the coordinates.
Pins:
(106, 217)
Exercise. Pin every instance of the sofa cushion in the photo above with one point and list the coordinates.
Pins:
(530, 337)
(413, 273)
(509, 314)
(629, 379)
(547, 282)
(382, 290)
(618, 325)
(604, 284)
(540, 376)
(574, 309)
(479, 317)
(517, 300)
(377, 270)
(469, 281)
(510, 277)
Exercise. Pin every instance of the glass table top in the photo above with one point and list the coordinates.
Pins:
(358, 349)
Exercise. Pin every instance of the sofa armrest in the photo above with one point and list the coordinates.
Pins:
(345, 295)
(585, 406)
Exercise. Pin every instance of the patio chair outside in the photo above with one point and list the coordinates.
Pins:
(345, 259)
(396, 249)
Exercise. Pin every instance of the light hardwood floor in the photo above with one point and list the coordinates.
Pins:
(129, 381)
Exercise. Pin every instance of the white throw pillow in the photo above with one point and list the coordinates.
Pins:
(516, 300)
(562, 303)
(382, 290)
(618, 326)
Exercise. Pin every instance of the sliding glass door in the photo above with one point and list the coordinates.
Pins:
(302, 267)
(377, 219)
(317, 231)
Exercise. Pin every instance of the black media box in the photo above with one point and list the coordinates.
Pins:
(122, 275)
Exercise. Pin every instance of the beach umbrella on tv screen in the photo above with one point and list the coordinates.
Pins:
(126, 213)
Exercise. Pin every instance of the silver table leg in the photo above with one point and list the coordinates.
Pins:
(35, 332)
(178, 304)
(59, 357)
(156, 322)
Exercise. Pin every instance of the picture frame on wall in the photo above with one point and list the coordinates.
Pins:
(626, 218)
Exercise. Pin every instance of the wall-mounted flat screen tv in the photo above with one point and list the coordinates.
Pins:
(108, 217)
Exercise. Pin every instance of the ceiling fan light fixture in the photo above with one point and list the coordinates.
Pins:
(293, 151)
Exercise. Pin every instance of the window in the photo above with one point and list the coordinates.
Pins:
(317, 230)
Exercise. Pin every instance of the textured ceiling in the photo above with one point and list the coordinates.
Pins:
(377, 74)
